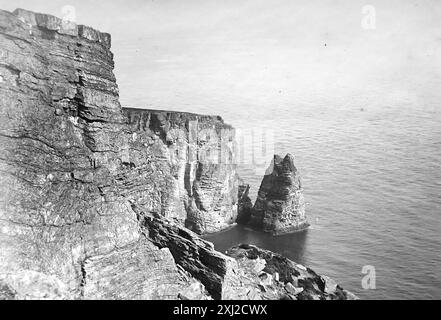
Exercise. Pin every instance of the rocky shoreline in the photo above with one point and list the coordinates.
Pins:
(104, 202)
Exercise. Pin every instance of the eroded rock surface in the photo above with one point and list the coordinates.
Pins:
(280, 205)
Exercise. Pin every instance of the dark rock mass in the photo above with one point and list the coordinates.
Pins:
(95, 200)
(280, 206)
(244, 203)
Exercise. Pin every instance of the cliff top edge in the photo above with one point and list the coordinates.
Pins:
(172, 112)
(61, 26)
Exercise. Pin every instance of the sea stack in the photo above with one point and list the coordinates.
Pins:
(280, 206)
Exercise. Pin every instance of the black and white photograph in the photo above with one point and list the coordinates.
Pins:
(223, 154)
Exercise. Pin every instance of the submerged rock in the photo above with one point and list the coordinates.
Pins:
(280, 206)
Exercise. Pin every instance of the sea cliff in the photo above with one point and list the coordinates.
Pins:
(200, 191)
(96, 200)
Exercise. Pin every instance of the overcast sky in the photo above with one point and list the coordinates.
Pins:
(172, 50)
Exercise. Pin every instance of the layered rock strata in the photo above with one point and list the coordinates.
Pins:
(89, 207)
(280, 205)
(200, 189)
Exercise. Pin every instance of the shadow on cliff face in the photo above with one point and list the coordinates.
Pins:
(290, 245)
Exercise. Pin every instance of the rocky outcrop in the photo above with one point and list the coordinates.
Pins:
(280, 206)
(196, 156)
(94, 199)
(280, 278)
(192, 253)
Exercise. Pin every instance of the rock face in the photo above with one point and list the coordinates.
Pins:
(196, 156)
(280, 206)
(94, 199)
(66, 183)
